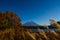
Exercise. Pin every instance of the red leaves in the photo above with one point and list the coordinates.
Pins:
(7, 13)
(13, 14)
(1, 14)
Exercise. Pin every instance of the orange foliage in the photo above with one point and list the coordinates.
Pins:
(1, 14)
(7, 13)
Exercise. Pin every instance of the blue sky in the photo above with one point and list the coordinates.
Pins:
(39, 11)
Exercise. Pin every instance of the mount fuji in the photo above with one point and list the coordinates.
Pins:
(30, 23)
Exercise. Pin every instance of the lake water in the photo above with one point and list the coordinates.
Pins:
(46, 30)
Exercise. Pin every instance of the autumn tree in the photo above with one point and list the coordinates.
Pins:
(9, 19)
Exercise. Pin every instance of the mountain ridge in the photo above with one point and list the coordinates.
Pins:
(30, 23)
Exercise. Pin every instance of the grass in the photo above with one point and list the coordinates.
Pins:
(13, 34)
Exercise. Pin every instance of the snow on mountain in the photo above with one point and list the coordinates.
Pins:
(30, 23)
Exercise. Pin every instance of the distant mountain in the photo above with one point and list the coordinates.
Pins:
(30, 23)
